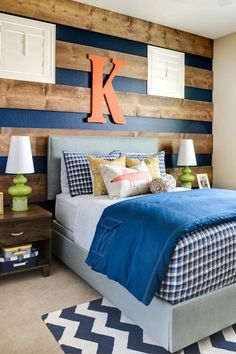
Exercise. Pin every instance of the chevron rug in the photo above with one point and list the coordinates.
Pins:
(97, 327)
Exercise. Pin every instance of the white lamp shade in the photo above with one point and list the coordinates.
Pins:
(186, 155)
(20, 156)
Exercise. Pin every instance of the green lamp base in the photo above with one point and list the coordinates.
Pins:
(19, 193)
(186, 178)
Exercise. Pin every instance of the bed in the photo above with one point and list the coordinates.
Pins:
(173, 326)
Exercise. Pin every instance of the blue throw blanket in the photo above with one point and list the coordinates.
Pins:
(135, 238)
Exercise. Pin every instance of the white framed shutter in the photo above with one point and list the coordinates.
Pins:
(27, 49)
(166, 72)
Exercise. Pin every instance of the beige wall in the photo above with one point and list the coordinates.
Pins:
(224, 126)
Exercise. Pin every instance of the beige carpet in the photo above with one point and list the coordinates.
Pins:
(25, 297)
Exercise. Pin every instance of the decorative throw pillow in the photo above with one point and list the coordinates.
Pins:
(160, 155)
(99, 187)
(152, 165)
(126, 182)
(78, 171)
(166, 183)
(64, 180)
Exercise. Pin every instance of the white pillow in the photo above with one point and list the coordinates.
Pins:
(124, 182)
(64, 180)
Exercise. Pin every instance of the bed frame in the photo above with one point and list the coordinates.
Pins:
(171, 326)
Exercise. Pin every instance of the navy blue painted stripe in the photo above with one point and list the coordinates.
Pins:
(125, 84)
(122, 84)
(202, 160)
(40, 164)
(73, 77)
(84, 79)
(198, 61)
(192, 93)
(65, 120)
(104, 41)
(3, 161)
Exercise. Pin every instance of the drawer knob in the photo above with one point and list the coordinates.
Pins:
(16, 234)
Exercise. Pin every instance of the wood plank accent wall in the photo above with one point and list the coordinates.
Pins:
(36, 102)
(31, 95)
(169, 142)
(74, 56)
(92, 18)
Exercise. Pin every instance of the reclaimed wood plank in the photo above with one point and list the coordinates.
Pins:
(39, 96)
(95, 19)
(165, 107)
(200, 78)
(169, 142)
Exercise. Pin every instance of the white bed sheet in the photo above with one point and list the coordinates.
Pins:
(81, 214)
(65, 210)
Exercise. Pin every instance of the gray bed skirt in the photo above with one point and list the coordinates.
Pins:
(171, 326)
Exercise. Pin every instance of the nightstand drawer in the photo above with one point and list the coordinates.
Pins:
(25, 231)
(33, 226)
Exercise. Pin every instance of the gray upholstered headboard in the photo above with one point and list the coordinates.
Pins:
(88, 144)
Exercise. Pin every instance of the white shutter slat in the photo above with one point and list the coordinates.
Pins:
(27, 49)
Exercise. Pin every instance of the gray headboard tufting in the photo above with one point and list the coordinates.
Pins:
(88, 144)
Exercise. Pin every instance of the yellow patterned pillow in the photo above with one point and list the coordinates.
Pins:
(99, 187)
(152, 165)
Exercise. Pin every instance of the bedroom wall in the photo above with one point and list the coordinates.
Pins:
(38, 110)
(224, 111)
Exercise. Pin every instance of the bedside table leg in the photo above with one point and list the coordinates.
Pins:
(46, 271)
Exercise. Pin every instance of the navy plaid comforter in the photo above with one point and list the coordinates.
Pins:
(203, 261)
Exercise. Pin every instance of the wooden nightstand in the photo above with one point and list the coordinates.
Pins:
(33, 226)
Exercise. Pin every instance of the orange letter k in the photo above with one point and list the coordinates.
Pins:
(99, 91)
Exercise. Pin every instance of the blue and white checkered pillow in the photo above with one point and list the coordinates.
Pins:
(78, 171)
(141, 156)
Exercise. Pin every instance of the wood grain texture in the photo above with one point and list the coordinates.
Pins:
(176, 172)
(165, 107)
(35, 212)
(75, 57)
(38, 182)
(32, 230)
(92, 18)
(196, 77)
(169, 142)
(39, 96)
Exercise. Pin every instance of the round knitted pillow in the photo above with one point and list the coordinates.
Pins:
(165, 183)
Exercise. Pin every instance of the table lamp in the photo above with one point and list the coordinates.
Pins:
(186, 158)
(20, 161)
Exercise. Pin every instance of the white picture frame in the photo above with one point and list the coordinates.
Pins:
(203, 181)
